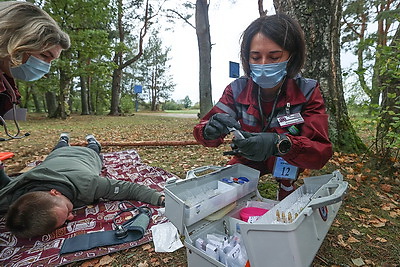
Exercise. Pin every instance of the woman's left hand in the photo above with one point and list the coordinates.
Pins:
(257, 146)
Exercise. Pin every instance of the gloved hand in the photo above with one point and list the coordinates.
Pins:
(257, 146)
(218, 126)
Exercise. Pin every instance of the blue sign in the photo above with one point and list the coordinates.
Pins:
(137, 89)
(233, 69)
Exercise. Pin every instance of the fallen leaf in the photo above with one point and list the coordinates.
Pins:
(143, 264)
(146, 247)
(381, 239)
(388, 206)
(369, 263)
(364, 209)
(342, 242)
(90, 263)
(167, 259)
(359, 178)
(356, 232)
(386, 187)
(106, 260)
(358, 262)
(375, 179)
(353, 240)
(359, 165)
(377, 223)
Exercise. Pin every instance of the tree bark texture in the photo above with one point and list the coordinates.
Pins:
(36, 100)
(117, 73)
(390, 110)
(320, 21)
(51, 103)
(65, 82)
(204, 43)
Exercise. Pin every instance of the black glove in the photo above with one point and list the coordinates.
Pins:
(257, 146)
(218, 126)
(161, 201)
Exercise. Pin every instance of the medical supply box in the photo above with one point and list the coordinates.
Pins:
(206, 210)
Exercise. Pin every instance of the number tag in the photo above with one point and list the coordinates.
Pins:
(283, 169)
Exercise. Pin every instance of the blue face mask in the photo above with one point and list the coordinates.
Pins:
(33, 69)
(268, 75)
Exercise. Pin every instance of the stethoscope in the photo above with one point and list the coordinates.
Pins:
(13, 97)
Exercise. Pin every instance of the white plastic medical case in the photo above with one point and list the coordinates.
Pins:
(268, 241)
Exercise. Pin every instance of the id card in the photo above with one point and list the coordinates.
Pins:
(289, 120)
(284, 170)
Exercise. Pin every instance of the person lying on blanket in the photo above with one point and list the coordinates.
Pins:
(42, 199)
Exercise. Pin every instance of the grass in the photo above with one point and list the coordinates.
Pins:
(366, 229)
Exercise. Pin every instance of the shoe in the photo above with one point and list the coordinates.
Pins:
(284, 191)
(92, 140)
(64, 137)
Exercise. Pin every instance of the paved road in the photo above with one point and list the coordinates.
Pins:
(174, 115)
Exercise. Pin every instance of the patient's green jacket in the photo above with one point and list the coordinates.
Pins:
(74, 171)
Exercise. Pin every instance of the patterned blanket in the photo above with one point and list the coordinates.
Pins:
(44, 250)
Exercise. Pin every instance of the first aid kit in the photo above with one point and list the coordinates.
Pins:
(226, 222)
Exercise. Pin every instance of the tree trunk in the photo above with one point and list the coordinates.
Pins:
(117, 74)
(51, 103)
(36, 101)
(84, 97)
(321, 24)
(388, 128)
(116, 92)
(63, 97)
(204, 43)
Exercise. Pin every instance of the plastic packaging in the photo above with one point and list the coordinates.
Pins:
(251, 212)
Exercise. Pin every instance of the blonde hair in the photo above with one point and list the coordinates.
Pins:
(26, 28)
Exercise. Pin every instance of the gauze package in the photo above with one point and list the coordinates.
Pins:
(165, 237)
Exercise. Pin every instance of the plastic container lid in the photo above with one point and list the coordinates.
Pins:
(245, 213)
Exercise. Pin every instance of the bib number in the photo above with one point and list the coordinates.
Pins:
(284, 170)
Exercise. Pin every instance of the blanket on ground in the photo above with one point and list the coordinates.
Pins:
(44, 250)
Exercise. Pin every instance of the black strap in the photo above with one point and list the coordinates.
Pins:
(135, 229)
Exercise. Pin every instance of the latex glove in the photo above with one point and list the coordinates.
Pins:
(218, 126)
(257, 146)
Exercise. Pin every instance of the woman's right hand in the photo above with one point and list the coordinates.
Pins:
(218, 125)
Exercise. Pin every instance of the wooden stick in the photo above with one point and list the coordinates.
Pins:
(144, 143)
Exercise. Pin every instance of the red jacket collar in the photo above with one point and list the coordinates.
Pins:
(291, 93)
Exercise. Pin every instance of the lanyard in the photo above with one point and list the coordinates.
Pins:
(268, 122)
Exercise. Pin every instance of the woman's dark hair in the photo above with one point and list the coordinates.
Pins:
(284, 31)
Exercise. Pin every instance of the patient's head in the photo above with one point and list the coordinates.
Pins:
(38, 213)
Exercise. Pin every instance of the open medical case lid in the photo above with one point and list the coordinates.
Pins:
(192, 199)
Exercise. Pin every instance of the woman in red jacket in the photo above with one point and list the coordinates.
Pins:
(281, 115)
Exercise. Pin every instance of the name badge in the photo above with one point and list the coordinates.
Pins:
(291, 119)
(284, 170)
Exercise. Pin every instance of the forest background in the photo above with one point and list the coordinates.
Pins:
(116, 44)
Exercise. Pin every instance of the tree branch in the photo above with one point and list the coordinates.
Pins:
(182, 17)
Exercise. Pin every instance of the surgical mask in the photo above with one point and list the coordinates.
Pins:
(268, 75)
(33, 69)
